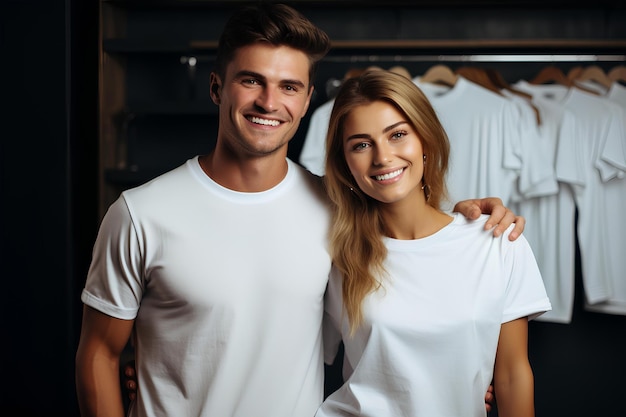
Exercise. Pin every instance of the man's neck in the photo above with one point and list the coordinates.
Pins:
(254, 174)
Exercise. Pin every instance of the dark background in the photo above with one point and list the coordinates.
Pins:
(49, 186)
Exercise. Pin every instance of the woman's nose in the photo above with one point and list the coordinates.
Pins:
(382, 155)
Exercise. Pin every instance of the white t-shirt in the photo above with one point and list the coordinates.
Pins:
(428, 341)
(617, 94)
(616, 304)
(226, 289)
(593, 164)
(482, 127)
(536, 173)
(550, 220)
(313, 154)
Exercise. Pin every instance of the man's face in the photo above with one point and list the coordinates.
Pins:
(262, 98)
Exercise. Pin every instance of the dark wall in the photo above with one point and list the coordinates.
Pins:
(48, 164)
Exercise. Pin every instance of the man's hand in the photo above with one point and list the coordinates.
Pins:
(500, 217)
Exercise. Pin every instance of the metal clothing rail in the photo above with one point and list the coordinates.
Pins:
(479, 58)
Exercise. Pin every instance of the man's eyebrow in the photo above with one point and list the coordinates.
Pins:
(246, 73)
(293, 82)
(252, 74)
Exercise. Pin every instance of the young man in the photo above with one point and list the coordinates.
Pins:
(218, 268)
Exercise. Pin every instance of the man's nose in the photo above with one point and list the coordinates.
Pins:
(267, 100)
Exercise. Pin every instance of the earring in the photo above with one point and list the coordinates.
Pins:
(426, 189)
(424, 159)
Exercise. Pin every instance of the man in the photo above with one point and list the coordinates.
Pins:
(218, 268)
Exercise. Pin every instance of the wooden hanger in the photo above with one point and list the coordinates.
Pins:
(400, 70)
(439, 74)
(551, 74)
(499, 81)
(352, 73)
(596, 74)
(478, 76)
(618, 73)
(575, 72)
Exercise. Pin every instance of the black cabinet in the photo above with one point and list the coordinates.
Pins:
(156, 56)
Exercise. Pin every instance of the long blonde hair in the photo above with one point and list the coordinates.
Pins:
(356, 244)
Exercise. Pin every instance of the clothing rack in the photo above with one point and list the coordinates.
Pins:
(191, 60)
(479, 58)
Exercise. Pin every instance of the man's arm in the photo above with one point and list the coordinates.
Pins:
(102, 341)
(500, 216)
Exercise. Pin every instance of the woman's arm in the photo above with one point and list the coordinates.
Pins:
(513, 376)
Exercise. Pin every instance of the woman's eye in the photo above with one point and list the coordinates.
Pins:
(399, 134)
(360, 146)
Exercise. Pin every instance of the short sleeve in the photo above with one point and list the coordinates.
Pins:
(114, 283)
(525, 293)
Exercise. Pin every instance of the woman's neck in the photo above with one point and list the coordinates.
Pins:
(409, 222)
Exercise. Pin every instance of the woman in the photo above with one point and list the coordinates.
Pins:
(430, 306)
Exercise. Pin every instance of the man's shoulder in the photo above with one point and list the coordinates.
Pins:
(164, 186)
(309, 178)
(164, 179)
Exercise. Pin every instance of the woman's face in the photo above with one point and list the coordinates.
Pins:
(384, 152)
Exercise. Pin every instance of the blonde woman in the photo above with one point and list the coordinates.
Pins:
(430, 306)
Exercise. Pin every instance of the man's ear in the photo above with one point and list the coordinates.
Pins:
(308, 102)
(216, 85)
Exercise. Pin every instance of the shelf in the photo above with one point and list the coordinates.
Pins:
(155, 110)
(187, 47)
(203, 4)
(171, 108)
(131, 178)
(480, 44)
(164, 46)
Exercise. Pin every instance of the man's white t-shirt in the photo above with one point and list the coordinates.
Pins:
(226, 289)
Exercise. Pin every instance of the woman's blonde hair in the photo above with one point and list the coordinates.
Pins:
(356, 245)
